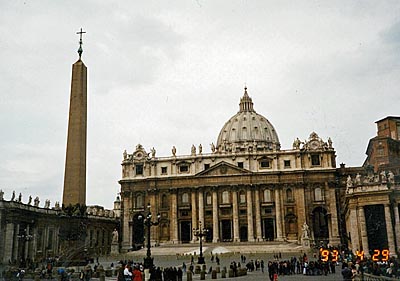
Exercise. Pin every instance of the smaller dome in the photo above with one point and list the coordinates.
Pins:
(247, 130)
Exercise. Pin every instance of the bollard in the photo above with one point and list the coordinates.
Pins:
(204, 267)
(197, 269)
(214, 274)
(230, 273)
(189, 276)
(202, 275)
(101, 274)
(223, 273)
(37, 274)
(218, 269)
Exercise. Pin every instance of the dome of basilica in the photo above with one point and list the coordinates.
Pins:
(247, 130)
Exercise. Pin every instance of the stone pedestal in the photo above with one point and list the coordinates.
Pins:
(114, 249)
(305, 242)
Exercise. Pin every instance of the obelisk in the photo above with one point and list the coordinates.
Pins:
(75, 162)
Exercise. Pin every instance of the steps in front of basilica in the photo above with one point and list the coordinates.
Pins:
(221, 248)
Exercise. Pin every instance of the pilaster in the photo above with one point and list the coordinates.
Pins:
(258, 215)
(278, 214)
(201, 207)
(389, 230)
(174, 217)
(397, 225)
(194, 213)
(9, 242)
(355, 239)
(334, 238)
(250, 223)
(215, 216)
(363, 230)
(235, 214)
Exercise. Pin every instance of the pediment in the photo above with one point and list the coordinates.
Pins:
(223, 169)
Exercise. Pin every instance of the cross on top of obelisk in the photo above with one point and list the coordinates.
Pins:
(80, 50)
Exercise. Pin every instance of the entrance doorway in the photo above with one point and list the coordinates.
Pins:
(137, 233)
(376, 227)
(243, 233)
(226, 226)
(186, 232)
(269, 229)
(320, 225)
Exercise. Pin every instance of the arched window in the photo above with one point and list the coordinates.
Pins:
(267, 195)
(318, 194)
(225, 197)
(289, 194)
(242, 197)
(164, 201)
(139, 201)
(208, 199)
(185, 198)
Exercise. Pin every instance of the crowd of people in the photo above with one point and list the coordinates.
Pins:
(134, 271)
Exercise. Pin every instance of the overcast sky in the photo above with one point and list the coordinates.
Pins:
(164, 73)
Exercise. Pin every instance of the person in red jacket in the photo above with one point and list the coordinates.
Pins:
(137, 274)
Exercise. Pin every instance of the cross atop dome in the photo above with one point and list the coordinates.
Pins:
(80, 50)
(246, 103)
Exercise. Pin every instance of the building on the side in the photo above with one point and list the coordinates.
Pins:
(372, 198)
(31, 232)
(384, 149)
(246, 189)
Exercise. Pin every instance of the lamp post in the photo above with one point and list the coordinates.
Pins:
(200, 232)
(148, 260)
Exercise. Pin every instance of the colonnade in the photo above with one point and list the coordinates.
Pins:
(253, 208)
(358, 228)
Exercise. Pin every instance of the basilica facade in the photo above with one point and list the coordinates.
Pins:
(247, 189)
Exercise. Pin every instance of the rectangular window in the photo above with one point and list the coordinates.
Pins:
(184, 168)
(380, 151)
(206, 166)
(184, 213)
(208, 213)
(286, 163)
(226, 211)
(240, 164)
(315, 160)
(139, 169)
(242, 212)
(268, 211)
(265, 163)
(163, 170)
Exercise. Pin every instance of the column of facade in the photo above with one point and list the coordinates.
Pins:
(258, 216)
(397, 225)
(154, 230)
(250, 223)
(9, 242)
(215, 216)
(126, 228)
(16, 243)
(201, 207)
(278, 214)
(363, 231)
(334, 238)
(355, 239)
(174, 217)
(194, 214)
(389, 230)
(235, 214)
(27, 243)
(301, 210)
